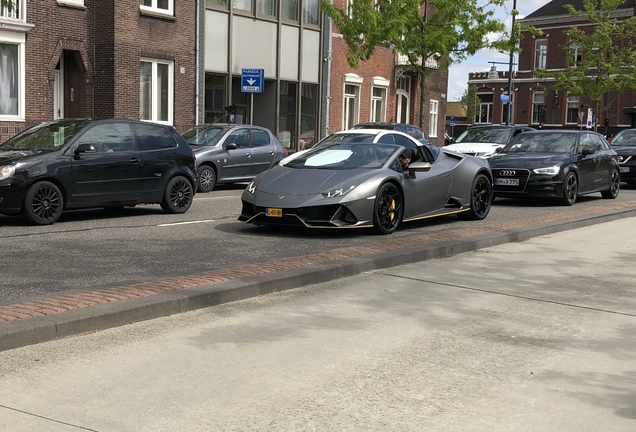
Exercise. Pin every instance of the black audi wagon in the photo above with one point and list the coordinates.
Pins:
(82, 163)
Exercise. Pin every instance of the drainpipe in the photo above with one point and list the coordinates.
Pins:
(326, 93)
(197, 67)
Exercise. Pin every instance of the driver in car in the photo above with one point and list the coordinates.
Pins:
(405, 158)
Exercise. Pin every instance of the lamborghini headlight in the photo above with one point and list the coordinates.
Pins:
(6, 171)
(553, 170)
(251, 188)
(337, 192)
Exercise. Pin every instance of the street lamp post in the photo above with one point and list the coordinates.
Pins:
(510, 89)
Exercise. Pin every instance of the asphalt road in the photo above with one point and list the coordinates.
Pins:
(93, 248)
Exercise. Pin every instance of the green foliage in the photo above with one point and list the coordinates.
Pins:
(470, 102)
(7, 4)
(608, 51)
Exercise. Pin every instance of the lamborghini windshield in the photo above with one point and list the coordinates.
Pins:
(345, 156)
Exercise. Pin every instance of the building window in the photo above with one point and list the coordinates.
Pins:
(308, 116)
(432, 119)
(349, 6)
(216, 3)
(287, 114)
(311, 11)
(244, 5)
(575, 55)
(378, 104)
(403, 99)
(161, 6)
(266, 7)
(289, 10)
(215, 91)
(485, 108)
(11, 81)
(351, 103)
(71, 2)
(537, 104)
(14, 13)
(156, 91)
(572, 113)
(540, 53)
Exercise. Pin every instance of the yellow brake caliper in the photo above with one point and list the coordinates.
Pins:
(392, 210)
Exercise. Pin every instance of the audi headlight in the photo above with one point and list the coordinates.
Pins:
(251, 188)
(553, 170)
(6, 171)
(337, 192)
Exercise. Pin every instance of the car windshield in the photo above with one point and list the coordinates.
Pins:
(624, 138)
(542, 143)
(204, 135)
(342, 138)
(346, 156)
(484, 135)
(48, 136)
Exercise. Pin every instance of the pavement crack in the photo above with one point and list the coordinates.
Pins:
(512, 295)
(47, 418)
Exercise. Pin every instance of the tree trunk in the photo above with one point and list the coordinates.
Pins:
(422, 102)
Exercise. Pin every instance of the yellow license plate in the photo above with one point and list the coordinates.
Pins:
(274, 212)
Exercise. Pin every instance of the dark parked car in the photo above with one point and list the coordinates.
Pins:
(230, 153)
(556, 163)
(408, 129)
(624, 143)
(73, 164)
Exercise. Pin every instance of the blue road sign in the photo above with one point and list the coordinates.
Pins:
(452, 121)
(504, 98)
(252, 80)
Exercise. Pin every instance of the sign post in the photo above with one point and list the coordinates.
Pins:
(252, 81)
(581, 115)
(590, 118)
(452, 125)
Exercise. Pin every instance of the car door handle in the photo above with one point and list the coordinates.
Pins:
(248, 155)
(272, 152)
(134, 161)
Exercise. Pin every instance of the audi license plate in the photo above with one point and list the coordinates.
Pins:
(506, 182)
(624, 169)
(274, 212)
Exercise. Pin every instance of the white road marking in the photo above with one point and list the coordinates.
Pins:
(217, 197)
(185, 223)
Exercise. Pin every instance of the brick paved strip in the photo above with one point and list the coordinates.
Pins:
(59, 304)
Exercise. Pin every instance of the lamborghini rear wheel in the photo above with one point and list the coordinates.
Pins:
(480, 199)
(388, 209)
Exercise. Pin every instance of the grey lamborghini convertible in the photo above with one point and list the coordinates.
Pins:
(357, 185)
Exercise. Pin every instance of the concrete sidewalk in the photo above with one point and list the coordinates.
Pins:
(39, 319)
(528, 336)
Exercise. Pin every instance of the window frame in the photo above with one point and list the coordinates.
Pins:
(489, 108)
(9, 38)
(153, 116)
(433, 118)
(540, 53)
(304, 14)
(154, 9)
(576, 55)
(570, 100)
(535, 104)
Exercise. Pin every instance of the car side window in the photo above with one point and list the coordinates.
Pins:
(586, 142)
(240, 137)
(396, 166)
(260, 138)
(404, 141)
(151, 137)
(599, 144)
(108, 137)
(412, 132)
(387, 139)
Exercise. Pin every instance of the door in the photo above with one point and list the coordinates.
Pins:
(263, 151)
(588, 163)
(111, 173)
(158, 152)
(604, 162)
(236, 164)
(58, 94)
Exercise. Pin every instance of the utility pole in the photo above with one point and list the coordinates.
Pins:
(511, 91)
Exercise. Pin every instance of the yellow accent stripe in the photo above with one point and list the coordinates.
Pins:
(436, 215)
(310, 226)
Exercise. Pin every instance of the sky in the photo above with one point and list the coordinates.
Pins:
(458, 73)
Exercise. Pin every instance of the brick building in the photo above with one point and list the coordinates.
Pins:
(92, 58)
(531, 93)
(381, 90)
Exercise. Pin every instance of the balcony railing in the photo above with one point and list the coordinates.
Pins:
(430, 62)
(16, 12)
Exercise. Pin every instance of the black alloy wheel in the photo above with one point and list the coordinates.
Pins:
(388, 209)
(480, 199)
(178, 196)
(207, 178)
(570, 189)
(615, 185)
(43, 204)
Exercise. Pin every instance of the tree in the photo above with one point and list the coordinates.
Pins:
(445, 31)
(470, 103)
(602, 59)
(8, 4)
